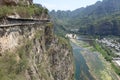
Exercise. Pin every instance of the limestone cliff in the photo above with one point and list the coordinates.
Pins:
(33, 52)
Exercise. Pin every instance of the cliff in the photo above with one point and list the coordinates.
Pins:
(33, 52)
(29, 50)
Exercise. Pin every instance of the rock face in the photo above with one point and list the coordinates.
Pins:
(15, 2)
(32, 52)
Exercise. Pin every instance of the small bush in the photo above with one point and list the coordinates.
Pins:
(4, 10)
(27, 11)
(116, 69)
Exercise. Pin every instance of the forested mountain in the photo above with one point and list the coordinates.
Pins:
(102, 18)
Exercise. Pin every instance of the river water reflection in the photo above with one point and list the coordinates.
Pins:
(81, 68)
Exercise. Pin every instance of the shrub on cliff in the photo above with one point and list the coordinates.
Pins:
(22, 11)
(4, 10)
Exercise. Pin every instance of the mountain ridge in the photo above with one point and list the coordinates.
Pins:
(90, 15)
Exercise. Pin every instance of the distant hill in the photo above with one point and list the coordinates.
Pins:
(101, 18)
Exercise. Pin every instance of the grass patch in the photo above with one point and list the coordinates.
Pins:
(14, 64)
(104, 51)
(38, 34)
(23, 11)
(116, 69)
(64, 42)
(9, 67)
(107, 54)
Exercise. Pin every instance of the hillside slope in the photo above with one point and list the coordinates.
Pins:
(101, 14)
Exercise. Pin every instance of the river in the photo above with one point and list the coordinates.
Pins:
(89, 64)
(81, 68)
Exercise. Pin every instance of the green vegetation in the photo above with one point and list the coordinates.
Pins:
(61, 37)
(11, 68)
(46, 11)
(98, 19)
(48, 33)
(98, 66)
(116, 69)
(38, 34)
(64, 42)
(49, 24)
(4, 10)
(23, 11)
(107, 54)
(14, 64)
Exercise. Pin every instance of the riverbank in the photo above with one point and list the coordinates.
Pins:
(98, 66)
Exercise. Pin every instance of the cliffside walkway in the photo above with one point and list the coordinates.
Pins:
(22, 21)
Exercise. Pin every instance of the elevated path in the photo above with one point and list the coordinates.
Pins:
(22, 21)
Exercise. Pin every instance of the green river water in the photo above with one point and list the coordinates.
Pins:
(90, 65)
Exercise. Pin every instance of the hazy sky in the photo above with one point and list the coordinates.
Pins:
(65, 4)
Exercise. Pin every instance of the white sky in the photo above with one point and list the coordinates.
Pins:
(65, 4)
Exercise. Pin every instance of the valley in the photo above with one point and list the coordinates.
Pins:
(97, 66)
(37, 43)
(100, 50)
